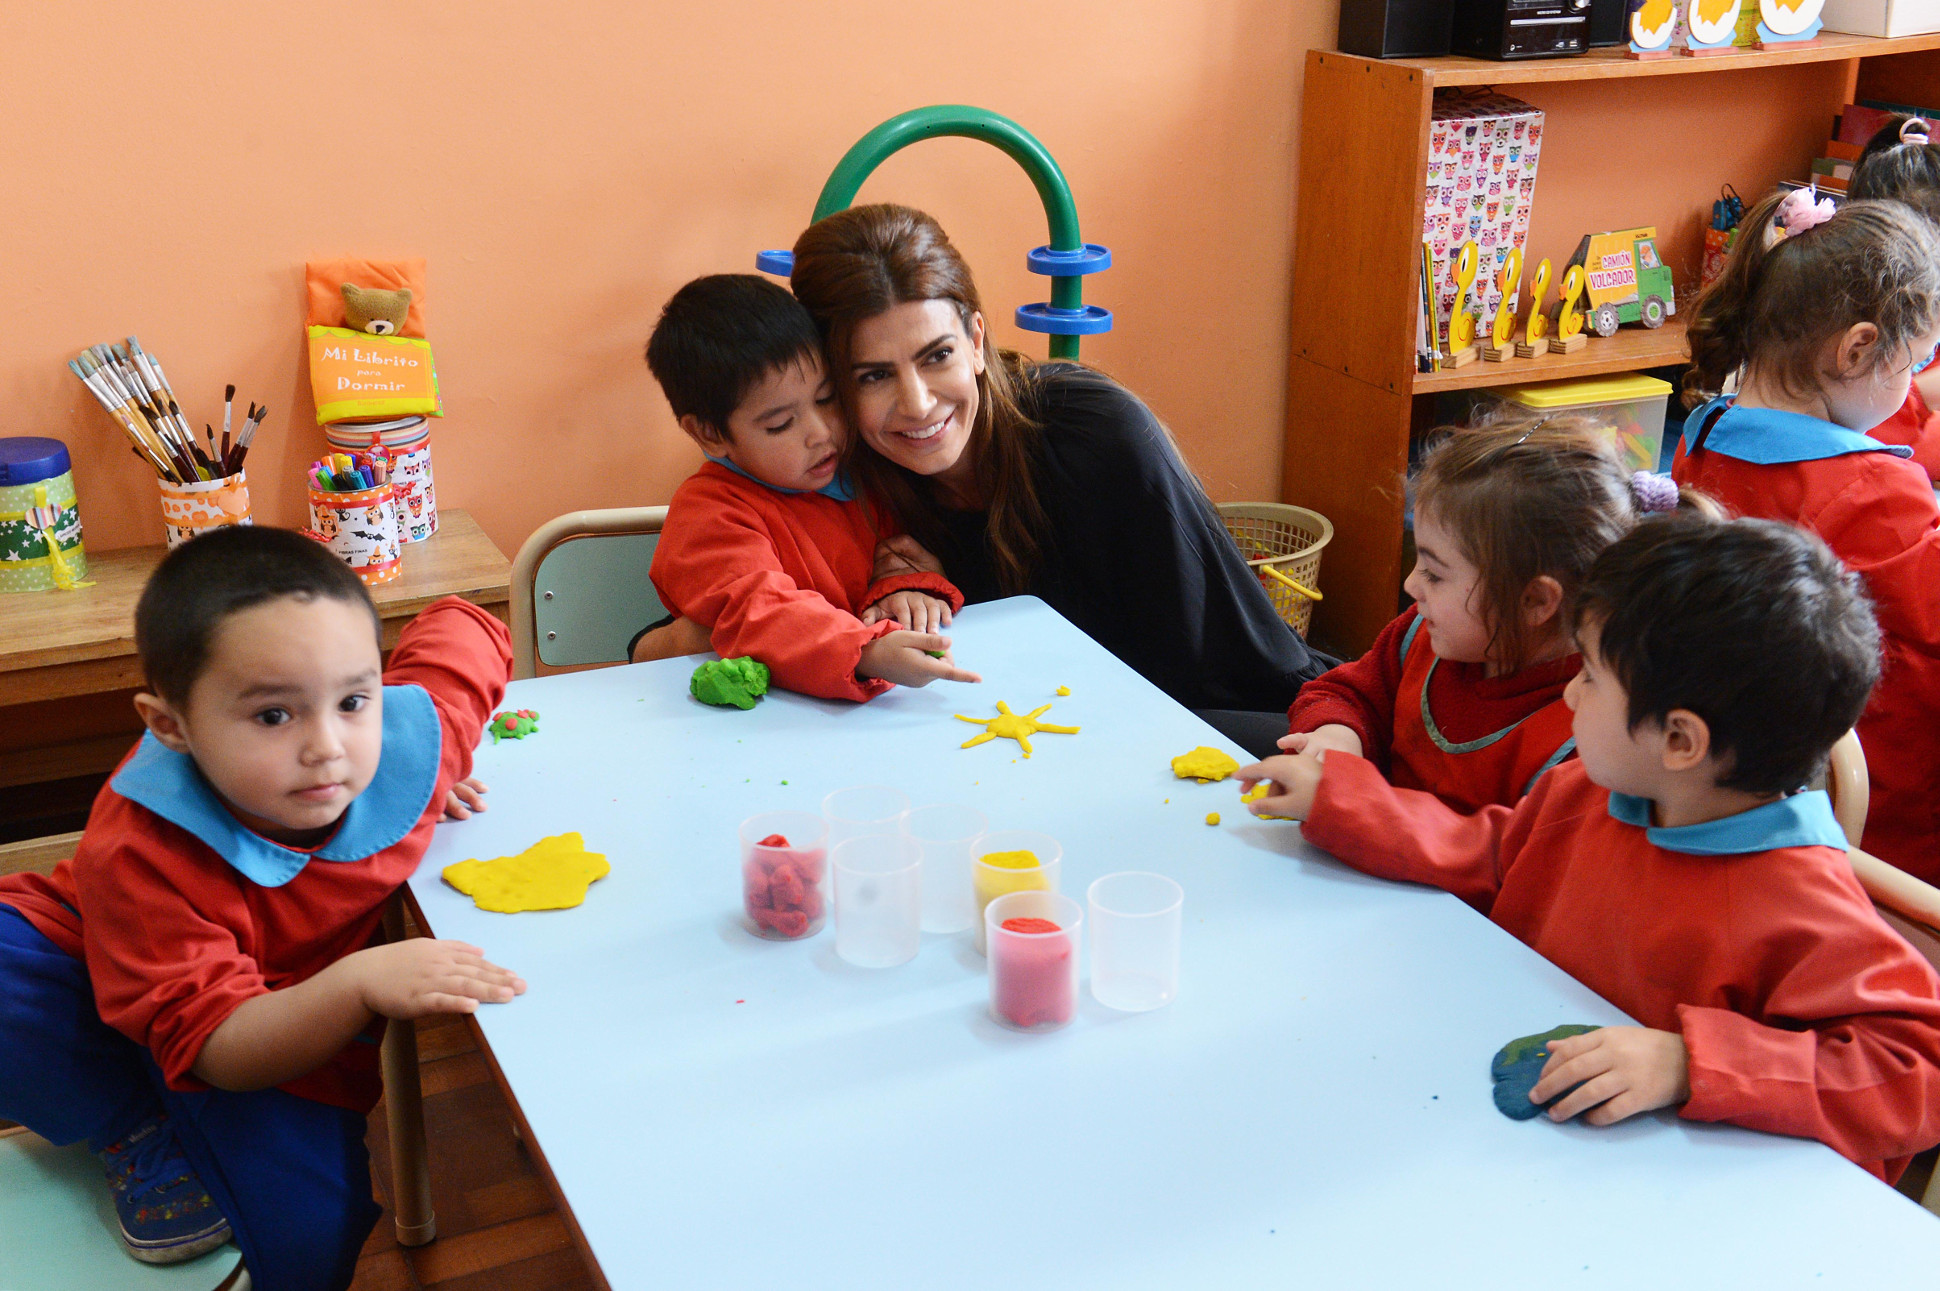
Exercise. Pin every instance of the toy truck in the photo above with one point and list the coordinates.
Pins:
(1626, 281)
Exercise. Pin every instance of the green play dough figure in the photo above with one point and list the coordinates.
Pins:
(728, 683)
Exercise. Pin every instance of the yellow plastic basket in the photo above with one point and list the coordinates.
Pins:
(1287, 539)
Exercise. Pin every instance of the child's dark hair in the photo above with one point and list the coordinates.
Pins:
(1900, 164)
(1527, 495)
(721, 334)
(227, 569)
(1782, 296)
(1752, 625)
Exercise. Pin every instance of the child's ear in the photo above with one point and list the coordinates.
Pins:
(1542, 601)
(1853, 352)
(703, 434)
(161, 718)
(1686, 740)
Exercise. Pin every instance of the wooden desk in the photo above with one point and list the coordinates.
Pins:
(68, 646)
(1313, 1110)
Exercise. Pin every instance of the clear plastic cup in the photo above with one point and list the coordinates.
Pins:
(1034, 961)
(864, 810)
(1011, 870)
(784, 883)
(878, 900)
(1135, 918)
(948, 835)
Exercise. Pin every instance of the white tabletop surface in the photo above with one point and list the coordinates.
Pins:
(1314, 1109)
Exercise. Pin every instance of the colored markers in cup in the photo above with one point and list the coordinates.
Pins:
(350, 472)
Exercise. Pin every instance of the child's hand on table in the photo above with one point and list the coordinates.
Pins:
(917, 611)
(1623, 1071)
(464, 798)
(905, 659)
(903, 555)
(424, 976)
(1294, 778)
(1331, 736)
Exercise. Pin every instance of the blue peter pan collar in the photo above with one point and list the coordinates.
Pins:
(1769, 437)
(1801, 820)
(839, 488)
(168, 784)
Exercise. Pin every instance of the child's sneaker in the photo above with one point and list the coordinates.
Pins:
(166, 1215)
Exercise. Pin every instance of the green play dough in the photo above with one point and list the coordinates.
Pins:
(735, 683)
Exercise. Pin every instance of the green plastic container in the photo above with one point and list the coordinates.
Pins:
(36, 472)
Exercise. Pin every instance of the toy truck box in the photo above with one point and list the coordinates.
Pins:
(1626, 281)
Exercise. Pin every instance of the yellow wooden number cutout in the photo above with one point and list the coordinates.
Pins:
(1538, 321)
(1569, 322)
(1505, 311)
(1461, 323)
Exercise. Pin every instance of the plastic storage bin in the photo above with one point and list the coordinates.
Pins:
(1632, 405)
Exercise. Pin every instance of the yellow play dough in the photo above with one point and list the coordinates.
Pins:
(1204, 765)
(1257, 792)
(1026, 875)
(1013, 726)
(552, 874)
(1064, 690)
(1212, 818)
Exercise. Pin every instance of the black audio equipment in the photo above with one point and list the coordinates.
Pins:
(1521, 28)
(1396, 28)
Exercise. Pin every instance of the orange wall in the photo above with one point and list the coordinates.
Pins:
(564, 167)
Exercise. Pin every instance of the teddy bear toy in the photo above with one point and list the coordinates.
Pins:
(381, 313)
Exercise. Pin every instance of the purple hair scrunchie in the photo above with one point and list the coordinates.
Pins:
(1653, 492)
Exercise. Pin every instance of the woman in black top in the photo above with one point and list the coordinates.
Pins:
(1043, 478)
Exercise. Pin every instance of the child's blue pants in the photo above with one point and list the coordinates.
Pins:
(291, 1175)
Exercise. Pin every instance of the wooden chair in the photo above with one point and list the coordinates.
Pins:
(580, 589)
(1910, 905)
(52, 1201)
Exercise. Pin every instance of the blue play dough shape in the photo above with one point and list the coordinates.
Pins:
(1517, 1067)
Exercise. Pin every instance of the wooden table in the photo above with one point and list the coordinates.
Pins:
(68, 653)
(1313, 1110)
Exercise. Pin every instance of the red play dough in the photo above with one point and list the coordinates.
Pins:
(781, 888)
(1031, 980)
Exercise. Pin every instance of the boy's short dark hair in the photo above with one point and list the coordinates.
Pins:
(210, 577)
(721, 334)
(1753, 625)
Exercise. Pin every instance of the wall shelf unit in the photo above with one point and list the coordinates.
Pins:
(1625, 142)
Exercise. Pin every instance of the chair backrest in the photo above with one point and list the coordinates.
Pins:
(58, 1230)
(580, 588)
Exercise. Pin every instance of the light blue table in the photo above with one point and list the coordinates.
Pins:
(1314, 1109)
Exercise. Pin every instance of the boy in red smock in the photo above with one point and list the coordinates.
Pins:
(1825, 317)
(196, 993)
(1674, 867)
(765, 546)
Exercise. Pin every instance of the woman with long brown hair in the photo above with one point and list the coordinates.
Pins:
(1043, 478)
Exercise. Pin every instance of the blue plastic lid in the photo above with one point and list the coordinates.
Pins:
(1088, 321)
(1091, 258)
(779, 263)
(29, 459)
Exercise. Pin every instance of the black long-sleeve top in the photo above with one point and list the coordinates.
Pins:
(1135, 555)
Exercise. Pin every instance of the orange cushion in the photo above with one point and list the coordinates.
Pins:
(326, 278)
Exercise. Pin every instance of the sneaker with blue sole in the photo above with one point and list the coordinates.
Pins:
(166, 1215)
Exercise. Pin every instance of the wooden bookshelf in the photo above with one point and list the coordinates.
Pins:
(1626, 142)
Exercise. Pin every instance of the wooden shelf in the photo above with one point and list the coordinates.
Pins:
(1631, 348)
(1599, 64)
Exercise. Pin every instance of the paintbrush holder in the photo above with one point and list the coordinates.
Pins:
(188, 509)
(360, 526)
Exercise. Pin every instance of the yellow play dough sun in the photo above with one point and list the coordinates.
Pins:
(552, 874)
(1013, 726)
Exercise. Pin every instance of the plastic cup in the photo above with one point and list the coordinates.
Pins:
(1135, 918)
(1034, 967)
(948, 835)
(784, 885)
(999, 866)
(878, 900)
(864, 810)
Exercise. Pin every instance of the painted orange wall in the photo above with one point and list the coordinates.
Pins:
(170, 166)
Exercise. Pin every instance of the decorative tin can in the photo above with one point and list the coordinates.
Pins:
(40, 523)
(188, 509)
(407, 442)
(361, 526)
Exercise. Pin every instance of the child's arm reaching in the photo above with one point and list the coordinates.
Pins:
(280, 1035)
(1352, 707)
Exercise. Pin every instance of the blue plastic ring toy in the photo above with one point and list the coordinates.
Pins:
(1091, 258)
(1064, 322)
(779, 263)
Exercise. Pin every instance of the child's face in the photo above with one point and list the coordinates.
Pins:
(1864, 401)
(787, 430)
(1614, 756)
(287, 720)
(1444, 585)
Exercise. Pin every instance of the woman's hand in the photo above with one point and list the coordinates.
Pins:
(1331, 736)
(911, 659)
(1622, 1071)
(917, 611)
(464, 798)
(903, 555)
